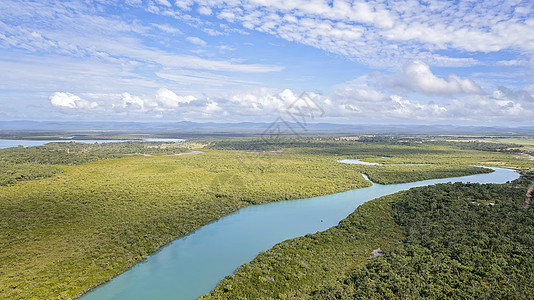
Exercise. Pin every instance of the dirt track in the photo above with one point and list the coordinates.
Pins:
(528, 196)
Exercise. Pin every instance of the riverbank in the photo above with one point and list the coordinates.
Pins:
(93, 221)
(189, 267)
(415, 231)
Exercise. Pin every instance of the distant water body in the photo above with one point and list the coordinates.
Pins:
(29, 143)
(192, 266)
(358, 162)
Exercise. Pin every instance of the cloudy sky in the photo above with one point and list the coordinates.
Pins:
(418, 62)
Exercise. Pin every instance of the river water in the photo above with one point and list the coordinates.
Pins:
(192, 266)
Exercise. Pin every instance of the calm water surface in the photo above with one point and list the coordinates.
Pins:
(358, 162)
(29, 143)
(192, 266)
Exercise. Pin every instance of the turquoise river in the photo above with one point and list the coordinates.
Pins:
(192, 266)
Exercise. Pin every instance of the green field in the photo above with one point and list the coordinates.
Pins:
(95, 210)
(524, 142)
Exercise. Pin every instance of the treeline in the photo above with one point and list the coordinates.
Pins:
(458, 245)
(448, 241)
(408, 173)
(20, 163)
(271, 142)
(10, 173)
(486, 146)
(381, 145)
(72, 153)
(274, 141)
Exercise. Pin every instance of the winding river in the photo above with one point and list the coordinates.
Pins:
(192, 266)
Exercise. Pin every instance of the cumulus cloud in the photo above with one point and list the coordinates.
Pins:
(524, 95)
(168, 99)
(356, 101)
(417, 77)
(130, 102)
(67, 100)
(266, 101)
(488, 108)
(212, 107)
(360, 101)
(369, 105)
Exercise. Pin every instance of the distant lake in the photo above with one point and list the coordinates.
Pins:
(29, 143)
(358, 162)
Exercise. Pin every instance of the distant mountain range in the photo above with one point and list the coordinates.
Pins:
(250, 128)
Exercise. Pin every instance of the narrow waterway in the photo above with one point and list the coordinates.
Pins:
(192, 266)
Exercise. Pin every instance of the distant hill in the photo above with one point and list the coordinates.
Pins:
(8, 128)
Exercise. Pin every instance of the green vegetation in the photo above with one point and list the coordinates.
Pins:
(524, 142)
(74, 215)
(10, 173)
(440, 242)
(294, 268)
(65, 234)
(19, 163)
(77, 153)
(389, 150)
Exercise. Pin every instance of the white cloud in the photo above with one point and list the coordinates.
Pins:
(530, 89)
(360, 102)
(488, 108)
(262, 99)
(167, 28)
(130, 102)
(195, 40)
(61, 44)
(89, 35)
(70, 101)
(205, 10)
(368, 105)
(168, 99)
(417, 77)
(355, 102)
(525, 95)
(212, 107)
(184, 4)
(164, 2)
(379, 33)
(226, 48)
(134, 2)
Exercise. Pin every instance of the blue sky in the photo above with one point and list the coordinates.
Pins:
(416, 62)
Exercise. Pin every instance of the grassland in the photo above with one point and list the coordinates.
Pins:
(110, 206)
(524, 142)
